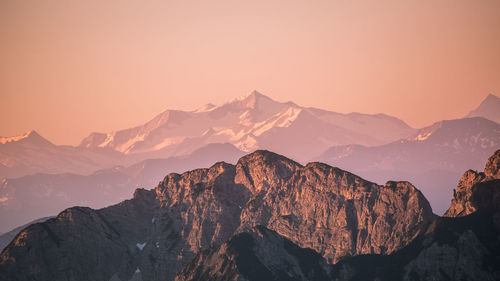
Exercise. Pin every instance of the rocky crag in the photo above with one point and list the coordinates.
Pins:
(463, 246)
(152, 236)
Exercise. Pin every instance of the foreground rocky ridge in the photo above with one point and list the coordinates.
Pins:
(151, 237)
(462, 203)
(465, 247)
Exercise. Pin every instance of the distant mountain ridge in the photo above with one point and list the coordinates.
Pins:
(31, 153)
(433, 158)
(252, 122)
(30, 197)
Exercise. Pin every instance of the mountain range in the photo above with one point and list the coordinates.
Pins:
(33, 196)
(433, 158)
(252, 122)
(41, 179)
(270, 218)
(31, 153)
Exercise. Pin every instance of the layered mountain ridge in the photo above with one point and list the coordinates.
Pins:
(30, 197)
(153, 235)
(252, 122)
(433, 158)
(30, 153)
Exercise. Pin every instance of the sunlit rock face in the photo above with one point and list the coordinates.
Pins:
(463, 202)
(331, 211)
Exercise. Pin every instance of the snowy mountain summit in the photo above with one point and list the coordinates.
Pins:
(252, 122)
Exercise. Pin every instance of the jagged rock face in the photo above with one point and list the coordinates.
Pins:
(461, 248)
(464, 246)
(329, 210)
(260, 254)
(462, 203)
(198, 209)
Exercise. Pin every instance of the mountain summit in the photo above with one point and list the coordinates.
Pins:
(489, 109)
(30, 136)
(252, 122)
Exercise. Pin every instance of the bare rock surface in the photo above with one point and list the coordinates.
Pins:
(462, 203)
(463, 246)
(316, 206)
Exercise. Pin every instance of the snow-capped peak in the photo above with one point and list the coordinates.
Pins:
(27, 135)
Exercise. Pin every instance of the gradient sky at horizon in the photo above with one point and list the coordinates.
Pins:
(68, 68)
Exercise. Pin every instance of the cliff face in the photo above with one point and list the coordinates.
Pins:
(462, 203)
(463, 246)
(152, 236)
(329, 210)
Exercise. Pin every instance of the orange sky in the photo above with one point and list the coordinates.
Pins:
(68, 68)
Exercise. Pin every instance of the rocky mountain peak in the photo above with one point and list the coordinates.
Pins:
(470, 185)
(263, 169)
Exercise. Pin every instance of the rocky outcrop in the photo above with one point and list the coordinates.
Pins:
(260, 254)
(463, 246)
(462, 203)
(316, 206)
(330, 210)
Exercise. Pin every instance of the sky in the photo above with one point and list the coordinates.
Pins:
(69, 68)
